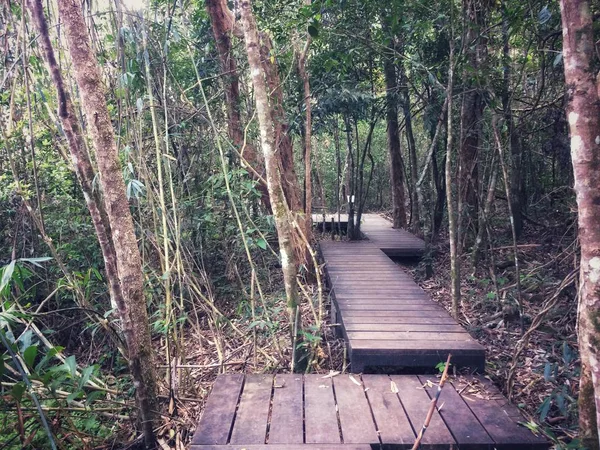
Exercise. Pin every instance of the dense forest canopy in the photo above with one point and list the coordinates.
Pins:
(160, 162)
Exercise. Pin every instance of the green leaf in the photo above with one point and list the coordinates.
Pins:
(545, 408)
(93, 396)
(74, 396)
(36, 261)
(261, 243)
(29, 355)
(18, 390)
(70, 365)
(85, 376)
(7, 273)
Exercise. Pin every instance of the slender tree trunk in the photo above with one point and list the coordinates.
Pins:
(283, 142)
(80, 157)
(452, 225)
(516, 180)
(274, 179)
(471, 117)
(415, 210)
(583, 112)
(221, 20)
(350, 178)
(393, 137)
(307, 133)
(512, 221)
(484, 214)
(129, 265)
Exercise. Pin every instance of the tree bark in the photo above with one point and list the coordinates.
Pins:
(283, 142)
(516, 180)
(583, 112)
(415, 210)
(307, 133)
(222, 26)
(281, 214)
(393, 137)
(133, 312)
(452, 225)
(471, 115)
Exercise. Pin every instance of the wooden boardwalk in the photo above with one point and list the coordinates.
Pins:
(379, 232)
(357, 412)
(385, 317)
(387, 320)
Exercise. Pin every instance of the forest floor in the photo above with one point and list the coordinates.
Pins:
(546, 373)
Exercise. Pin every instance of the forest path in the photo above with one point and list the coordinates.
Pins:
(385, 317)
(387, 320)
(357, 412)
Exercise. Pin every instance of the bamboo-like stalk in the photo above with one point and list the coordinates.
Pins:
(236, 213)
(433, 404)
(452, 226)
(512, 222)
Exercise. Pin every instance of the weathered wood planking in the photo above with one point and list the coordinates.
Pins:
(386, 318)
(354, 412)
(379, 231)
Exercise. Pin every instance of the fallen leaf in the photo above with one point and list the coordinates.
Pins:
(331, 374)
(354, 380)
(394, 387)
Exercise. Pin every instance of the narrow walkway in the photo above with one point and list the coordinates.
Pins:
(385, 317)
(357, 412)
(387, 320)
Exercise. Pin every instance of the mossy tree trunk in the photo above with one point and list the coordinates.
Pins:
(132, 310)
(393, 137)
(583, 114)
(221, 20)
(280, 208)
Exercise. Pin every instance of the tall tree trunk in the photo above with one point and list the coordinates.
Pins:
(471, 116)
(223, 28)
(283, 142)
(393, 137)
(516, 180)
(307, 132)
(274, 179)
(583, 112)
(452, 225)
(415, 209)
(350, 163)
(129, 265)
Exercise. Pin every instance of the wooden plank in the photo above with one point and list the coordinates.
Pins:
(462, 423)
(435, 346)
(424, 337)
(392, 424)
(287, 447)
(485, 401)
(410, 327)
(320, 416)
(356, 420)
(216, 422)
(287, 421)
(392, 307)
(250, 425)
(416, 404)
(383, 301)
(400, 320)
(441, 313)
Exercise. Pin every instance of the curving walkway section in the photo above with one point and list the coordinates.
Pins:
(385, 317)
